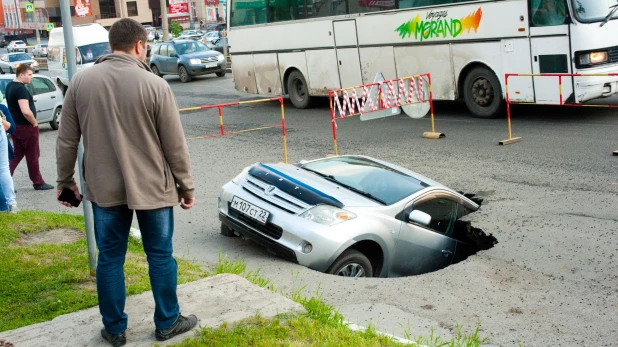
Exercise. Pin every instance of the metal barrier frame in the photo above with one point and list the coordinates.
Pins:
(332, 94)
(222, 132)
(512, 139)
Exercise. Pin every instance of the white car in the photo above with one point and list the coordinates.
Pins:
(211, 36)
(10, 62)
(16, 46)
(47, 98)
(40, 51)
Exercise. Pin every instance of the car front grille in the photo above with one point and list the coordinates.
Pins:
(613, 54)
(209, 60)
(268, 229)
(276, 197)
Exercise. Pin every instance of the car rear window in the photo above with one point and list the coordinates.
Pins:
(19, 42)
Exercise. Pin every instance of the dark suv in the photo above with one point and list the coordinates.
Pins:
(6, 39)
(185, 58)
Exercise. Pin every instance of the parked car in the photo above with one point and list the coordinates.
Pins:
(191, 33)
(9, 62)
(194, 37)
(217, 45)
(186, 58)
(16, 46)
(211, 36)
(216, 27)
(5, 39)
(351, 216)
(47, 98)
(40, 50)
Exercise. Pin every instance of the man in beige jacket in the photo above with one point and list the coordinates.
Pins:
(135, 159)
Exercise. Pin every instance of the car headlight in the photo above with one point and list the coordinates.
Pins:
(220, 57)
(34, 63)
(593, 58)
(195, 61)
(17, 65)
(327, 215)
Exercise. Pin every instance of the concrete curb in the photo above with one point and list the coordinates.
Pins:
(214, 300)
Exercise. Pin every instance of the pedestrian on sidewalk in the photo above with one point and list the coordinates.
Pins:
(135, 159)
(26, 135)
(7, 189)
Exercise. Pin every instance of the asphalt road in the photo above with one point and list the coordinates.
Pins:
(552, 280)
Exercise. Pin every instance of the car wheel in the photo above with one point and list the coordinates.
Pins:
(483, 93)
(155, 70)
(11, 70)
(221, 73)
(55, 123)
(225, 231)
(351, 263)
(184, 74)
(298, 90)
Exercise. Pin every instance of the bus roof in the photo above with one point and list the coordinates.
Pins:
(82, 35)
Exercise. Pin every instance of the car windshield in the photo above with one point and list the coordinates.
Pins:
(374, 180)
(593, 10)
(90, 53)
(19, 57)
(190, 47)
(43, 46)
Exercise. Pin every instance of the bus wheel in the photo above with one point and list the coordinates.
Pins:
(483, 93)
(298, 90)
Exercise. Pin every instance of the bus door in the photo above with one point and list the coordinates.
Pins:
(550, 49)
(346, 49)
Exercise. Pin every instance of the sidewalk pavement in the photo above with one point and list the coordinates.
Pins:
(214, 300)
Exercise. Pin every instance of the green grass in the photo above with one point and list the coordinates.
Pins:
(40, 282)
(321, 325)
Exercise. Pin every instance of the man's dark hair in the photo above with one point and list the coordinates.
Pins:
(124, 34)
(23, 68)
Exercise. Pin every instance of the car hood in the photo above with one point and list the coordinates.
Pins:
(206, 54)
(308, 186)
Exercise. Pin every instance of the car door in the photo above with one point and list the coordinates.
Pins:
(421, 249)
(44, 95)
(172, 59)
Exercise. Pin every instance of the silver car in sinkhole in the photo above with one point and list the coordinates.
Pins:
(352, 216)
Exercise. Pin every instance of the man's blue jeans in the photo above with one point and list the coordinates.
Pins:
(112, 226)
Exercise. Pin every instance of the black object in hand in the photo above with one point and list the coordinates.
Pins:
(67, 195)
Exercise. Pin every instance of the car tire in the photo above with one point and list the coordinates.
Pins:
(483, 93)
(184, 74)
(11, 70)
(155, 70)
(221, 73)
(55, 122)
(226, 231)
(349, 263)
(298, 90)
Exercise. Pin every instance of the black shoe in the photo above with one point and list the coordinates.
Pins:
(43, 186)
(114, 339)
(181, 326)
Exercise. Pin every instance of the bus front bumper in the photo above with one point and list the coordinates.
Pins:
(593, 87)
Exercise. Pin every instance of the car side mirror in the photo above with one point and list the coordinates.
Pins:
(419, 217)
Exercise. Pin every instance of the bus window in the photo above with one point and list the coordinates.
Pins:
(247, 12)
(548, 12)
(285, 10)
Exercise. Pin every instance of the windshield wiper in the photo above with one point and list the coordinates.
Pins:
(355, 190)
(610, 15)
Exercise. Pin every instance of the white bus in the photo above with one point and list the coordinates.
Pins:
(305, 48)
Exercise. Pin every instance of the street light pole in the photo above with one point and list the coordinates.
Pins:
(36, 23)
(164, 24)
(69, 46)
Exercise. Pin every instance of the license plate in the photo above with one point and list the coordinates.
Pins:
(250, 210)
(210, 65)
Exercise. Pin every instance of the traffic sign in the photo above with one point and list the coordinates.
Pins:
(29, 7)
(49, 26)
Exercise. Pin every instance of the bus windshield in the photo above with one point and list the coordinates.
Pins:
(593, 10)
(90, 53)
